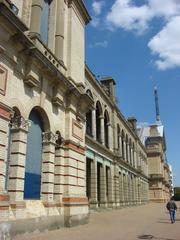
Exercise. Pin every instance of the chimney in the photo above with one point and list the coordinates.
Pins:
(133, 123)
(108, 84)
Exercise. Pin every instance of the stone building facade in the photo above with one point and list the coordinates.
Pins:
(160, 187)
(42, 113)
(116, 160)
(65, 146)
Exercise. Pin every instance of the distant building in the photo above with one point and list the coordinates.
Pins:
(159, 171)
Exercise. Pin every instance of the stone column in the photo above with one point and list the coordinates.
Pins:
(128, 159)
(136, 189)
(116, 184)
(102, 129)
(120, 147)
(59, 36)
(126, 189)
(135, 158)
(93, 200)
(18, 147)
(94, 123)
(103, 202)
(36, 11)
(132, 157)
(111, 187)
(124, 143)
(110, 137)
(48, 158)
(120, 189)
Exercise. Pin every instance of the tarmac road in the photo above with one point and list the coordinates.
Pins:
(149, 221)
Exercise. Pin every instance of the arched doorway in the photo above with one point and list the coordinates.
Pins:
(32, 183)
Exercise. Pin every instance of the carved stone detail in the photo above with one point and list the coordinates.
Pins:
(19, 122)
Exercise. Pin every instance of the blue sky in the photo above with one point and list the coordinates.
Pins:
(138, 44)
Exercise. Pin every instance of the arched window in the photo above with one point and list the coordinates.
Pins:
(89, 122)
(98, 121)
(89, 117)
(106, 129)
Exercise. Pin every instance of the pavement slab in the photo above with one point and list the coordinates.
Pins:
(150, 221)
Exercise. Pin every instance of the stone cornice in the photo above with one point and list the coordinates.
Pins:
(30, 48)
(6, 11)
(113, 105)
(82, 9)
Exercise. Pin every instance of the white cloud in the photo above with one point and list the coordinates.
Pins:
(97, 7)
(125, 14)
(164, 8)
(128, 16)
(95, 22)
(166, 44)
(103, 44)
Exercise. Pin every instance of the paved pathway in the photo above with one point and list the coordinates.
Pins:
(131, 223)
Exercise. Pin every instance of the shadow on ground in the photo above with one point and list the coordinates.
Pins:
(153, 237)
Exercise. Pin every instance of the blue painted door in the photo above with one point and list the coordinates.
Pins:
(32, 185)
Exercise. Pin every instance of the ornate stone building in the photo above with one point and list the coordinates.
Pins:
(116, 160)
(42, 113)
(160, 189)
(64, 144)
(159, 171)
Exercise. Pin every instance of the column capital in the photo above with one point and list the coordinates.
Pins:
(49, 137)
(19, 122)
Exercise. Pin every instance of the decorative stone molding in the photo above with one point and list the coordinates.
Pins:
(77, 130)
(59, 140)
(31, 81)
(19, 122)
(3, 80)
(49, 137)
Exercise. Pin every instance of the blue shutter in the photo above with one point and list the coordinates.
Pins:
(32, 185)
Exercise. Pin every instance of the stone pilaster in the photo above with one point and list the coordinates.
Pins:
(19, 130)
(120, 146)
(59, 36)
(102, 129)
(103, 202)
(127, 154)
(48, 158)
(93, 200)
(94, 123)
(3, 153)
(132, 156)
(116, 184)
(36, 11)
(121, 190)
(111, 186)
(59, 174)
(124, 143)
(5, 115)
(110, 137)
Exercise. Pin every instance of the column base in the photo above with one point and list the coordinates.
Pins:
(4, 206)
